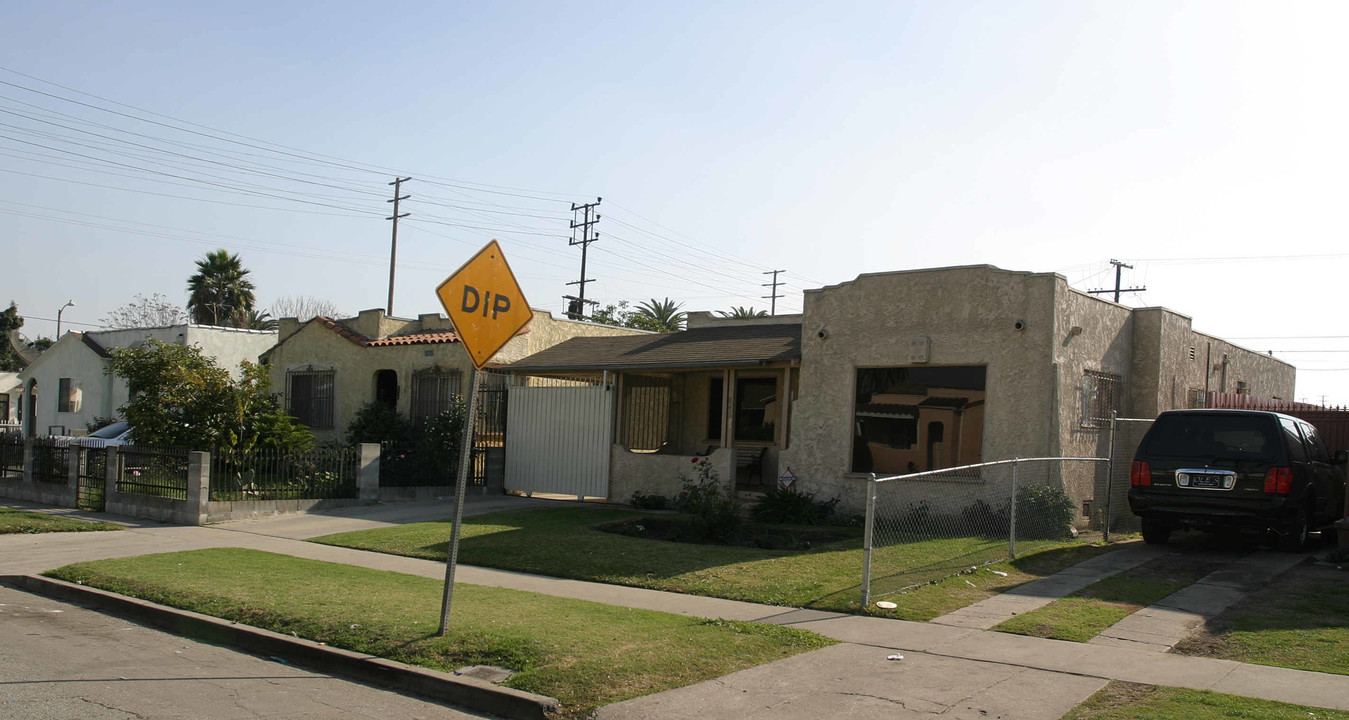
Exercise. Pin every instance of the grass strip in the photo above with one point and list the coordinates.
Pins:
(14, 521)
(1082, 615)
(1131, 701)
(1299, 621)
(582, 653)
(566, 542)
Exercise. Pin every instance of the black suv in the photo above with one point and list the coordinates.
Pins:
(1246, 469)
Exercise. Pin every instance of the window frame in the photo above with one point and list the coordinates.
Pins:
(319, 412)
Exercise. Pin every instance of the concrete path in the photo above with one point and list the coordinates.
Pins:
(1036, 594)
(968, 671)
(1160, 626)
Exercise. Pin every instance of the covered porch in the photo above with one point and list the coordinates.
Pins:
(722, 392)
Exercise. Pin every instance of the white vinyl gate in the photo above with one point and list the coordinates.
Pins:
(558, 440)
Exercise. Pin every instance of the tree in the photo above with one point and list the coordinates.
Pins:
(42, 343)
(142, 312)
(220, 292)
(665, 313)
(741, 313)
(255, 320)
(304, 308)
(181, 398)
(621, 315)
(10, 322)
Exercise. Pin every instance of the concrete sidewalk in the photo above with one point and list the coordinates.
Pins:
(964, 671)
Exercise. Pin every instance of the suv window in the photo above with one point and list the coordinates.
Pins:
(1239, 437)
(1296, 451)
(1315, 445)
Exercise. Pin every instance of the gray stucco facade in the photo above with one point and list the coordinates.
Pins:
(1055, 360)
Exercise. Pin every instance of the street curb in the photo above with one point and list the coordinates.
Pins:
(462, 691)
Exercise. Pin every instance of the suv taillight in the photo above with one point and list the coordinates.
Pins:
(1140, 474)
(1279, 480)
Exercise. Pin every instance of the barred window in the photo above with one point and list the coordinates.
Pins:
(1101, 393)
(434, 390)
(309, 397)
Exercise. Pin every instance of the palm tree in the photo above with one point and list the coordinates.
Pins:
(259, 320)
(664, 314)
(220, 293)
(740, 313)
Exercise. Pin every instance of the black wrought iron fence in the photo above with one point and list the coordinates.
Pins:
(317, 474)
(11, 454)
(93, 479)
(152, 471)
(51, 460)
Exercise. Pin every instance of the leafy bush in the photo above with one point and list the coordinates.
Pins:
(1044, 512)
(647, 502)
(714, 510)
(789, 506)
(377, 422)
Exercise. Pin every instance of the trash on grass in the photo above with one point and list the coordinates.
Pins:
(896, 656)
(999, 573)
(886, 605)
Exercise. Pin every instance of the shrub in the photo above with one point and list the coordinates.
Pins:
(1044, 512)
(647, 502)
(714, 511)
(376, 422)
(790, 506)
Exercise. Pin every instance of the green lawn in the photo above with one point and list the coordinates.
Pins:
(584, 654)
(565, 542)
(22, 521)
(1300, 620)
(1129, 701)
(1082, 615)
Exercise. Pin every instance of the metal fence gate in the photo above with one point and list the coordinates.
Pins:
(93, 479)
(488, 469)
(558, 440)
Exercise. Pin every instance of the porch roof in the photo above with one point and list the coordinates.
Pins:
(718, 346)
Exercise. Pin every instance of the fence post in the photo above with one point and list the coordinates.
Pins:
(868, 539)
(111, 472)
(28, 458)
(1011, 530)
(198, 486)
(367, 471)
(1110, 476)
(74, 469)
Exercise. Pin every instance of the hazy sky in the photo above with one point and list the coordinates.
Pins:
(1202, 142)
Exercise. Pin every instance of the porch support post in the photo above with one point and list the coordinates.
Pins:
(727, 402)
(618, 408)
(784, 407)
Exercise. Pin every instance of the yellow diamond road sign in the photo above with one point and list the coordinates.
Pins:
(485, 304)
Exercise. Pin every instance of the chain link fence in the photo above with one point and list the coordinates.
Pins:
(925, 527)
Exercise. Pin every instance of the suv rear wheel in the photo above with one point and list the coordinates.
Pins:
(1296, 535)
(1156, 532)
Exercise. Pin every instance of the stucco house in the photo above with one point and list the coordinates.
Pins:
(896, 373)
(9, 400)
(66, 387)
(328, 368)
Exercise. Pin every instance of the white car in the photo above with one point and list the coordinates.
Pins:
(118, 433)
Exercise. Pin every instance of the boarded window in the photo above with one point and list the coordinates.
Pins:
(434, 390)
(646, 411)
(309, 397)
(68, 395)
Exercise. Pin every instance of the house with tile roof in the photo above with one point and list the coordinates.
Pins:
(328, 368)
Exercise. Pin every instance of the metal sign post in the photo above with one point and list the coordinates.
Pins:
(488, 309)
(461, 487)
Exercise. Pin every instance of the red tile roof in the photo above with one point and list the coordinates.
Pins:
(427, 337)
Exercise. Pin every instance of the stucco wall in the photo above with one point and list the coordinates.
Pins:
(546, 331)
(70, 358)
(230, 346)
(658, 473)
(969, 313)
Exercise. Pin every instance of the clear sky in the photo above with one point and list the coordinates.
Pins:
(1201, 142)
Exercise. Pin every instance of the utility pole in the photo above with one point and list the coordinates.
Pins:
(393, 246)
(576, 303)
(1118, 267)
(773, 298)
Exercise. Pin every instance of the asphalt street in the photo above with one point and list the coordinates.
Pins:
(63, 662)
